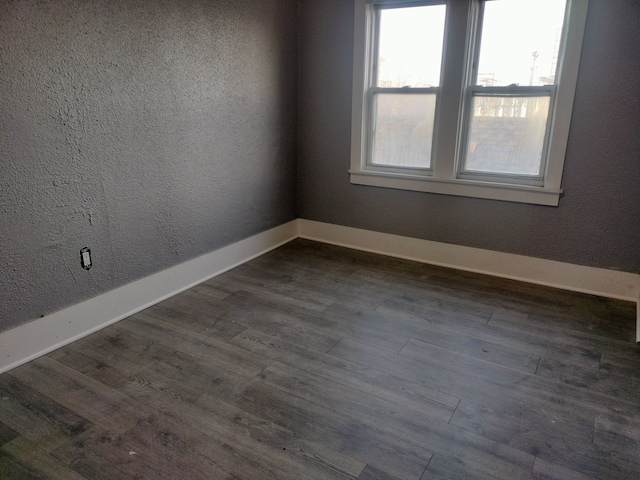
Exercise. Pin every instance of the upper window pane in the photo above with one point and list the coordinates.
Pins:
(410, 46)
(520, 42)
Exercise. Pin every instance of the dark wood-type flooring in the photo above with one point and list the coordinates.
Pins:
(319, 362)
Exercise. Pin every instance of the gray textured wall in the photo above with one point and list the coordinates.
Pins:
(598, 220)
(150, 131)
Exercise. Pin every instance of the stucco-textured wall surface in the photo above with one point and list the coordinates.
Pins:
(149, 131)
(598, 220)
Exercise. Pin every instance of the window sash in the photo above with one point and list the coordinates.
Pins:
(418, 137)
(474, 90)
(512, 91)
(373, 90)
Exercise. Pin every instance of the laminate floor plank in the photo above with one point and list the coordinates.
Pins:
(181, 373)
(15, 470)
(175, 385)
(468, 365)
(366, 325)
(250, 455)
(283, 276)
(206, 348)
(214, 415)
(197, 450)
(320, 454)
(214, 289)
(257, 281)
(413, 290)
(556, 344)
(29, 455)
(90, 363)
(356, 323)
(318, 362)
(369, 445)
(102, 455)
(572, 337)
(287, 296)
(373, 473)
(6, 434)
(35, 416)
(598, 321)
(263, 313)
(545, 470)
(509, 347)
(111, 344)
(164, 388)
(98, 403)
(505, 330)
(368, 407)
(189, 311)
(619, 431)
(342, 261)
(352, 375)
(359, 291)
(587, 459)
(514, 296)
(430, 433)
(501, 425)
(444, 467)
(620, 383)
(531, 406)
(178, 406)
(413, 308)
(480, 294)
(623, 356)
(298, 326)
(129, 353)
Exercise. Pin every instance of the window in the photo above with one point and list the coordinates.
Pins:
(466, 97)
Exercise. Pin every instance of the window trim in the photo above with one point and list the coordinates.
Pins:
(444, 177)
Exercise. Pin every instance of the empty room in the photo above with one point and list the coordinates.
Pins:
(320, 239)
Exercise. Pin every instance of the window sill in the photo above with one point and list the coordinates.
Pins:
(458, 187)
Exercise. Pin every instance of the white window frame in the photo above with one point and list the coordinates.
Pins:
(448, 138)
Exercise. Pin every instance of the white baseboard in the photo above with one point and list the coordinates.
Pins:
(577, 278)
(39, 337)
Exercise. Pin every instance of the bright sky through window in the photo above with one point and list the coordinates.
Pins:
(410, 46)
(520, 42)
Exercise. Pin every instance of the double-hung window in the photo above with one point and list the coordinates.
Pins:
(465, 97)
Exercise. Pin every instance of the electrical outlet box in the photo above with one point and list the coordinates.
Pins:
(85, 258)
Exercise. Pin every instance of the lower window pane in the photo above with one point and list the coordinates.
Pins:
(506, 135)
(403, 129)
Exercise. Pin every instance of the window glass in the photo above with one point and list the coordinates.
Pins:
(410, 46)
(507, 134)
(520, 42)
(403, 129)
